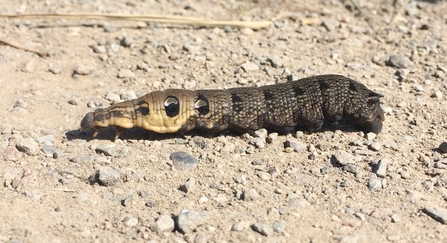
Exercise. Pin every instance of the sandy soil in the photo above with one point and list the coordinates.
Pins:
(386, 188)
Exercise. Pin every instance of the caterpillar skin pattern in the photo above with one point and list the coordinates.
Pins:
(306, 102)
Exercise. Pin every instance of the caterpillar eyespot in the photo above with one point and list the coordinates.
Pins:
(172, 106)
(200, 104)
(171, 101)
(306, 102)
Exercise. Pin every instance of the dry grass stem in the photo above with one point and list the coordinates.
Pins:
(18, 46)
(169, 19)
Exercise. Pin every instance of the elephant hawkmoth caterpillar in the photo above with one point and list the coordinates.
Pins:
(306, 102)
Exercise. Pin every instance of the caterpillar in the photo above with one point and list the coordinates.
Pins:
(306, 102)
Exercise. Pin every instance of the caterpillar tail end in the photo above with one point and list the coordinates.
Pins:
(87, 123)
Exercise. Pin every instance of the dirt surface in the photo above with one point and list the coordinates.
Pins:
(60, 185)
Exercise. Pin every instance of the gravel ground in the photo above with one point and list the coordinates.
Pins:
(60, 185)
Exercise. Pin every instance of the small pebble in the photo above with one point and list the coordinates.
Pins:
(150, 203)
(360, 216)
(428, 185)
(344, 158)
(198, 141)
(221, 198)
(107, 176)
(279, 227)
(214, 185)
(128, 95)
(295, 145)
(298, 203)
(203, 200)
(250, 150)
(83, 70)
(275, 61)
(412, 10)
(355, 238)
(82, 197)
(50, 151)
(28, 146)
(189, 220)
(130, 221)
(375, 146)
(261, 133)
(262, 229)
(374, 184)
(442, 164)
(264, 175)
(395, 218)
(382, 167)
(8, 130)
(189, 185)
(126, 41)
(20, 104)
(390, 144)
(188, 48)
(54, 70)
(164, 223)
(144, 193)
(11, 154)
(48, 138)
(251, 195)
(437, 214)
(183, 161)
(99, 49)
(115, 47)
(247, 31)
(201, 238)
(36, 195)
(113, 97)
(370, 136)
(405, 174)
(109, 28)
(273, 212)
(325, 169)
(249, 67)
(349, 210)
(29, 66)
(399, 61)
(418, 89)
(180, 141)
(128, 200)
(241, 179)
(97, 103)
(166, 49)
(125, 73)
(107, 150)
(73, 102)
(257, 162)
(278, 24)
(240, 226)
(258, 142)
(331, 24)
(272, 137)
(346, 183)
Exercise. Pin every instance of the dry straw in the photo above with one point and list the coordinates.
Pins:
(167, 19)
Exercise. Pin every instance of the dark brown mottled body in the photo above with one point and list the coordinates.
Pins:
(305, 102)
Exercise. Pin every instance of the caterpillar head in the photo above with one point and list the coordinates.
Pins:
(372, 117)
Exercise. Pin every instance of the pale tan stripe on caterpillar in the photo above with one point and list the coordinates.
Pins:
(306, 102)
